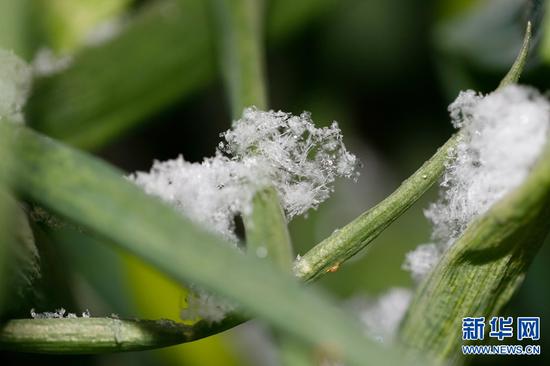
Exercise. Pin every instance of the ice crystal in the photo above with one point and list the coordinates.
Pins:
(57, 314)
(15, 83)
(299, 159)
(503, 133)
(263, 149)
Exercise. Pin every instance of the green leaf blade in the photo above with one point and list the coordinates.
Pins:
(96, 197)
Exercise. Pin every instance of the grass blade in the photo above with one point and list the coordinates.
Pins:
(515, 71)
(100, 335)
(479, 274)
(346, 242)
(350, 239)
(241, 52)
(242, 63)
(163, 55)
(96, 197)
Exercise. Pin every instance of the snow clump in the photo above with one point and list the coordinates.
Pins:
(263, 149)
(503, 133)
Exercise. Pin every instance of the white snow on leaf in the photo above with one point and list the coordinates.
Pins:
(15, 84)
(503, 133)
(263, 149)
(300, 160)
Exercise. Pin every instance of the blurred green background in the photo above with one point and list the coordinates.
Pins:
(143, 83)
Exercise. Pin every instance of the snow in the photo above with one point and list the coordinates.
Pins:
(420, 261)
(302, 161)
(263, 149)
(46, 62)
(503, 133)
(105, 31)
(382, 316)
(15, 84)
(60, 313)
(204, 305)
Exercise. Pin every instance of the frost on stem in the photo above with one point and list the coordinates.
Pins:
(60, 313)
(263, 149)
(15, 84)
(503, 133)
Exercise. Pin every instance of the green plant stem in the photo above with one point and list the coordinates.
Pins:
(239, 24)
(96, 197)
(515, 71)
(353, 237)
(350, 239)
(17, 27)
(267, 235)
(99, 335)
(240, 30)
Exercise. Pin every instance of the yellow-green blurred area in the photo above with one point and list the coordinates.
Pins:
(385, 70)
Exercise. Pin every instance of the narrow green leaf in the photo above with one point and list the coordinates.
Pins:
(18, 254)
(350, 239)
(16, 27)
(241, 52)
(66, 23)
(99, 335)
(266, 230)
(479, 274)
(5, 228)
(164, 54)
(353, 237)
(96, 197)
(515, 71)
(242, 63)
